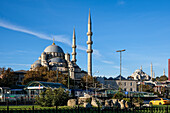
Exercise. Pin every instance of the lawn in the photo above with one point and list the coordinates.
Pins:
(66, 109)
(35, 107)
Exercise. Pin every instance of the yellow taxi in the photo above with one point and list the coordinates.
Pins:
(159, 101)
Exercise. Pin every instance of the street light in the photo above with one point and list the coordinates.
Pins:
(93, 76)
(120, 62)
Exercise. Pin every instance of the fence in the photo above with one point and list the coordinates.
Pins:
(78, 109)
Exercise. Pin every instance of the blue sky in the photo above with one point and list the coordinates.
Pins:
(142, 27)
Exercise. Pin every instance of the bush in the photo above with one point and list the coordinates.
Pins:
(137, 100)
(56, 97)
(127, 99)
(118, 95)
(88, 100)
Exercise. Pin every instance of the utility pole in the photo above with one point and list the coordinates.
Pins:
(120, 63)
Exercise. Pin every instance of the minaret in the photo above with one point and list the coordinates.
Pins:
(74, 47)
(153, 75)
(89, 43)
(140, 67)
(164, 72)
(151, 70)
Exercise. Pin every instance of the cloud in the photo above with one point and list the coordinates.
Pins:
(14, 64)
(121, 2)
(118, 67)
(58, 38)
(107, 62)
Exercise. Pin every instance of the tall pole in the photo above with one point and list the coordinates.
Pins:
(86, 84)
(120, 63)
(68, 79)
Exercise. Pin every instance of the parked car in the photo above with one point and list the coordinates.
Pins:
(159, 101)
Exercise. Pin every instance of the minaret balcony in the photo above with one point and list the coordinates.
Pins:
(89, 51)
(74, 53)
(74, 46)
(89, 33)
(89, 42)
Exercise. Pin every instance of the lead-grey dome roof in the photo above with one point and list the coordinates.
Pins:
(58, 60)
(53, 48)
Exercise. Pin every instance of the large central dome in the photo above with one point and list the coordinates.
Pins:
(53, 48)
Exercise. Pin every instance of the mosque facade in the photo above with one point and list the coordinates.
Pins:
(54, 58)
(139, 74)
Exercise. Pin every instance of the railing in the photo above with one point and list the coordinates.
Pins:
(78, 109)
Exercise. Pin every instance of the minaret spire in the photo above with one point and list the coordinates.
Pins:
(151, 71)
(74, 47)
(53, 41)
(89, 43)
(164, 72)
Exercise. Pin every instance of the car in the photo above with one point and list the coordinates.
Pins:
(159, 101)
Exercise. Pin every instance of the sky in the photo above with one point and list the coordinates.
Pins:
(142, 27)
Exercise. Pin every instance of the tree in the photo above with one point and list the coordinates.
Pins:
(60, 97)
(43, 74)
(91, 81)
(119, 95)
(146, 88)
(8, 78)
(56, 97)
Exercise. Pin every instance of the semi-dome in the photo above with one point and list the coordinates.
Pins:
(58, 60)
(53, 48)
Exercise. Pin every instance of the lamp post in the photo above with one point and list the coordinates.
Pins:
(93, 77)
(68, 78)
(120, 63)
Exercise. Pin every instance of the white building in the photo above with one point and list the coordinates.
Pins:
(139, 75)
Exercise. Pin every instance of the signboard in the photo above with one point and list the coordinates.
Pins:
(35, 87)
(126, 93)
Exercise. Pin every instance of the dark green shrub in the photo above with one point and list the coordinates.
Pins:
(56, 97)
(118, 95)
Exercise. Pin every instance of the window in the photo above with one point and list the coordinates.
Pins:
(125, 89)
(130, 89)
(32, 92)
(124, 83)
(119, 83)
(158, 99)
(131, 84)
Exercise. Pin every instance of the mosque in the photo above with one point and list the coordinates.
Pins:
(54, 58)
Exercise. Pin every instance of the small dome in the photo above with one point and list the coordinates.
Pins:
(53, 48)
(37, 65)
(43, 53)
(58, 60)
(37, 62)
(138, 70)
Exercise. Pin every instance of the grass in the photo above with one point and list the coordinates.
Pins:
(35, 107)
(63, 109)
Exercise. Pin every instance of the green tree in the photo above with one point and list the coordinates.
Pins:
(119, 95)
(60, 97)
(56, 97)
